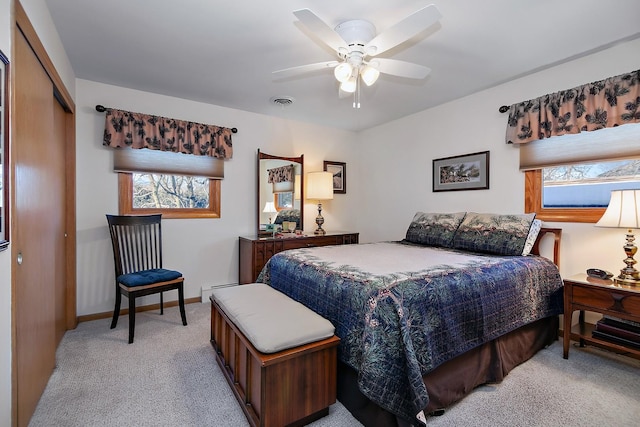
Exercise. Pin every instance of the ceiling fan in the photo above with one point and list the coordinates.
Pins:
(357, 46)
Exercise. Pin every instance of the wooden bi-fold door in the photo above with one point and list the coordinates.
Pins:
(42, 242)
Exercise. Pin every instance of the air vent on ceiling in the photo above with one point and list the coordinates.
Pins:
(283, 101)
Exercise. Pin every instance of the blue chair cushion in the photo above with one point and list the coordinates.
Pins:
(147, 277)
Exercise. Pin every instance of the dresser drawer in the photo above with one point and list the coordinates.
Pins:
(310, 243)
(606, 299)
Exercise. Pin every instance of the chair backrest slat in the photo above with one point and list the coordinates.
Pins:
(137, 242)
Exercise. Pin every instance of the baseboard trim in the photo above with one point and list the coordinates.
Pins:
(123, 312)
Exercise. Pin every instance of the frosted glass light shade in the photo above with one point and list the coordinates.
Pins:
(623, 210)
(343, 71)
(319, 186)
(369, 75)
(349, 86)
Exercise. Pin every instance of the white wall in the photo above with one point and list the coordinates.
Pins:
(401, 182)
(205, 250)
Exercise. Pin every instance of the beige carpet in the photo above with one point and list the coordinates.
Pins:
(169, 377)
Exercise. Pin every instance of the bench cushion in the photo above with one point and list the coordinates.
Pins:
(269, 319)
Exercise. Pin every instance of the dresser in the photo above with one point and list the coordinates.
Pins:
(256, 251)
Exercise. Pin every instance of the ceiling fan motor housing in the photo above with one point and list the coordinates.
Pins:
(356, 33)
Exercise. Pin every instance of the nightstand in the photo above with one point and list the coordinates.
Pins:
(582, 292)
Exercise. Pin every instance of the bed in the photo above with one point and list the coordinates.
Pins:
(459, 302)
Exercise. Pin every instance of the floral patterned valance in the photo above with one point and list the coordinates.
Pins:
(281, 174)
(135, 130)
(602, 104)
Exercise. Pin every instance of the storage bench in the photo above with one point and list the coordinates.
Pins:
(279, 357)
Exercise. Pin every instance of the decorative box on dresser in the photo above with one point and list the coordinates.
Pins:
(582, 292)
(256, 251)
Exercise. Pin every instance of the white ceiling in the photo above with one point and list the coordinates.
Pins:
(223, 52)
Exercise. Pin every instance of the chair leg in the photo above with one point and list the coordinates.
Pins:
(116, 310)
(161, 303)
(181, 302)
(132, 317)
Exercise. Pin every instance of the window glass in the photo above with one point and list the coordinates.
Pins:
(170, 191)
(284, 201)
(587, 185)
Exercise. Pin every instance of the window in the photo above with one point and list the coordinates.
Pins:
(570, 178)
(283, 200)
(175, 196)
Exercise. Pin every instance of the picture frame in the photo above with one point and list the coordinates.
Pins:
(465, 172)
(4, 151)
(339, 171)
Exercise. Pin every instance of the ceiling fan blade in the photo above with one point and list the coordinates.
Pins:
(294, 71)
(320, 29)
(403, 30)
(400, 68)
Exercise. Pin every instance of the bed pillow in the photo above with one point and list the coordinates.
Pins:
(536, 226)
(493, 233)
(434, 229)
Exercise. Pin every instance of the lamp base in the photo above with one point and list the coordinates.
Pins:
(629, 275)
(624, 281)
(319, 220)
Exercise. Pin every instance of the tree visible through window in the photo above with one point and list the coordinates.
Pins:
(174, 196)
(170, 191)
(587, 185)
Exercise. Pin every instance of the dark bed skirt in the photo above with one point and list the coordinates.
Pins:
(453, 380)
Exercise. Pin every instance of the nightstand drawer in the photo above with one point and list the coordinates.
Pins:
(606, 299)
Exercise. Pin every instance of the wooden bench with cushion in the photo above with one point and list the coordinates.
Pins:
(278, 356)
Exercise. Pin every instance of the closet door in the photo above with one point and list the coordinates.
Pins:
(38, 227)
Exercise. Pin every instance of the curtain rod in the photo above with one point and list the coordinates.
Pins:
(102, 109)
(503, 109)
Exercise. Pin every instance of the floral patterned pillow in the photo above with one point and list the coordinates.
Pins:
(434, 229)
(493, 233)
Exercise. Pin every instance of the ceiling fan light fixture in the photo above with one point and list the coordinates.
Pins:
(369, 74)
(343, 72)
(349, 86)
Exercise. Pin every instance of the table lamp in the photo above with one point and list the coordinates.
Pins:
(320, 187)
(269, 208)
(624, 212)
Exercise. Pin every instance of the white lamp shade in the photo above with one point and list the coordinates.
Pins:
(349, 86)
(369, 75)
(343, 71)
(269, 207)
(623, 210)
(320, 185)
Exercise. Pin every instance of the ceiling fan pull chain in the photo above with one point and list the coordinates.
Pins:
(356, 94)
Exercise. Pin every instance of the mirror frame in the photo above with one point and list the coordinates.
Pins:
(265, 156)
(4, 151)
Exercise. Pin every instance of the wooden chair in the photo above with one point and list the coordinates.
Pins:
(137, 255)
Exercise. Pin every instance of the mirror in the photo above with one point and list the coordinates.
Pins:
(282, 199)
(4, 151)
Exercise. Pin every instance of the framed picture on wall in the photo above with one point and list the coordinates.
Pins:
(339, 171)
(466, 172)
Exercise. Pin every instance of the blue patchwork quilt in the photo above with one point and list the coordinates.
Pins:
(401, 310)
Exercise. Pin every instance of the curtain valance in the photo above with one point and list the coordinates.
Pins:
(136, 130)
(606, 103)
(281, 174)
